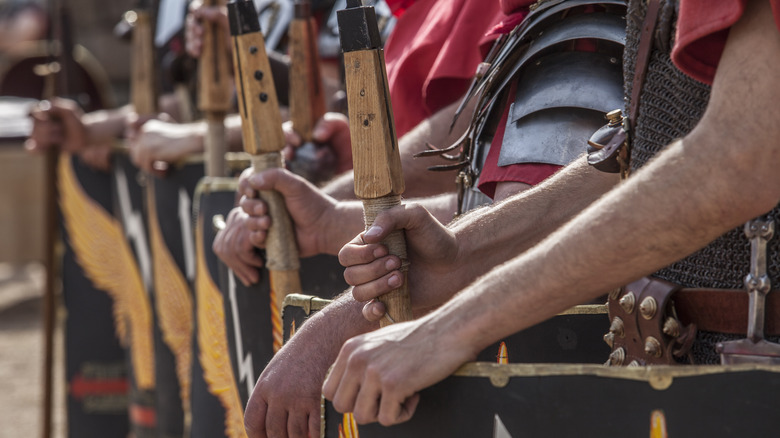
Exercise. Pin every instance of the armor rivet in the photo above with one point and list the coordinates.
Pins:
(614, 294)
(652, 347)
(617, 357)
(648, 308)
(633, 364)
(615, 117)
(613, 60)
(538, 63)
(617, 327)
(363, 92)
(672, 327)
(609, 338)
(627, 302)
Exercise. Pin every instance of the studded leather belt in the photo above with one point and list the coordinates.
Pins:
(724, 310)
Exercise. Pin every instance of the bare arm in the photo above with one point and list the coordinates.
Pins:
(443, 261)
(719, 176)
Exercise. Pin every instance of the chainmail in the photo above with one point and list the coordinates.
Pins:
(671, 104)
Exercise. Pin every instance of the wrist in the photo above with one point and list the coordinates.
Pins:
(343, 220)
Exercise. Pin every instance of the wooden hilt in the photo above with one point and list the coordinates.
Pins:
(377, 163)
(143, 83)
(307, 97)
(214, 93)
(261, 126)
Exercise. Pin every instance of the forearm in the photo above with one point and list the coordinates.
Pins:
(646, 223)
(497, 233)
(106, 125)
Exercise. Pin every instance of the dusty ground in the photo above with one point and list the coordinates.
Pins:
(21, 355)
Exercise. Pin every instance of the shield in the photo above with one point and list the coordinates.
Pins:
(169, 202)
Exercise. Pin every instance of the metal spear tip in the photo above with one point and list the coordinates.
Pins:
(242, 17)
(358, 28)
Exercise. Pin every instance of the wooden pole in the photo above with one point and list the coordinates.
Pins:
(376, 161)
(261, 126)
(214, 93)
(307, 97)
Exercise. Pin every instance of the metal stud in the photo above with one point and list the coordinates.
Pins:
(648, 307)
(617, 357)
(614, 294)
(627, 302)
(652, 347)
(672, 327)
(617, 327)
(609, 338)
(633, 364)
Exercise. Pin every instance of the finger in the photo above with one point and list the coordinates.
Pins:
(367, 400)
(290, 136)
(243, 273)
(261, 223)
(254, 416)
(374, 310)
(250, 257)
(253, 206)
(276, 422)
(394, 412)
(314, 424)
(297, 424)
(358, 253)
(377, 288)
(257, 238)
(351, 366)
(366, 273)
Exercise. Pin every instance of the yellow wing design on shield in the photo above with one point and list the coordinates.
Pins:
(173, 301)
(212, 340)
(103, 252)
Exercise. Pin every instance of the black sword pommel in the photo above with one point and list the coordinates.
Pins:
(242, 17)
(358, 29)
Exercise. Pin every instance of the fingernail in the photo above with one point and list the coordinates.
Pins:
(258, 210)
(376, 311)
(394, 280)
(374, 231)
(379, 252)
(318, 132)
(391, 264)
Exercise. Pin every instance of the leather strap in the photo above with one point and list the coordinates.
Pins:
(724, 310)
(643, 56)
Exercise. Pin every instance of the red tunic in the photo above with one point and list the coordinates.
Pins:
(702, 29)
(433, 53)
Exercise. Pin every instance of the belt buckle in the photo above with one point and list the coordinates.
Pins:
(754, 348)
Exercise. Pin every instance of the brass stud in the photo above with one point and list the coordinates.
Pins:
(617, 327)
(648, 307)
(609, 338)
(615, 117)
(627, 302)
(652, 347)
(672, 327)
(633, 364)
(617, 357)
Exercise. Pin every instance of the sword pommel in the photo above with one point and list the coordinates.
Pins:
(358, 29)
(242, 17)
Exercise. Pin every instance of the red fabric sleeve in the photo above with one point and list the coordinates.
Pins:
(702, 29)
(492, 173)
(432, 55)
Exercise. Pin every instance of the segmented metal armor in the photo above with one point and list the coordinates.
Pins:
(562, 94)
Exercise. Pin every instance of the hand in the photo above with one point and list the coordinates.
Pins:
(232, 246)
(332, 130)
(97, 157)
(311, 211)
(57, 123)
(431, 248)
(194, 26)
(154, 142)
(377, 375)
(286, 398)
